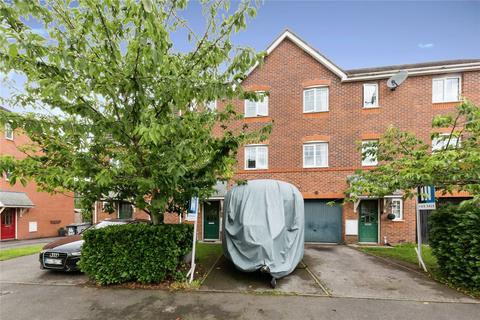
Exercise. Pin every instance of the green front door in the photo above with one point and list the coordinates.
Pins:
(125, 210)
(211, 212)
(368, 224)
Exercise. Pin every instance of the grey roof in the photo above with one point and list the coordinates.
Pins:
(410, 66)
(220, 190)
(12, 199)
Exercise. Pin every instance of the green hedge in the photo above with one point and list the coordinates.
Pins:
(455, 242)
(136, 252)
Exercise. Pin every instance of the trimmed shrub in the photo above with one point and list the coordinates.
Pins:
(136, 252)
(455, 242)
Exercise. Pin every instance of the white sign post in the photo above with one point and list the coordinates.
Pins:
(192, 215)
(425, 201)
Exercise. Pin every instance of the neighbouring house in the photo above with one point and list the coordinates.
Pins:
(209, 222)
(322, 114)
(25, 212)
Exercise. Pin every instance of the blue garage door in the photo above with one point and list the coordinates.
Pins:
(323, 222)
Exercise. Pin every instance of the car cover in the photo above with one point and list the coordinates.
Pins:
(263, 227)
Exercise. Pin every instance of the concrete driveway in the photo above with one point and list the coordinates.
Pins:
(346, 272)
(338, 271)
(26, 270)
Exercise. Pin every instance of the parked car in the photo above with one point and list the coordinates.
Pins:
(63, 254)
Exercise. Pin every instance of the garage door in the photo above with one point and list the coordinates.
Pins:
(323, 222)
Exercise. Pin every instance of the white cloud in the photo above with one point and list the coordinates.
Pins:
(426, 45)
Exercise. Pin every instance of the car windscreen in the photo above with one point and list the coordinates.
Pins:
(104, 224)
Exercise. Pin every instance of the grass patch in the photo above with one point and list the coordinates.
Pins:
(205, 251)
(405, 254)
(6, 254)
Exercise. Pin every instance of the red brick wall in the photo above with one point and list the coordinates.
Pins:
(50, 212)
(102, 215)
(286, 71)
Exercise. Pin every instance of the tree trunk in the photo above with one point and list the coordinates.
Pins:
(157, 217)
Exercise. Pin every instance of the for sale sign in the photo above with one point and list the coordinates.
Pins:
(426, 198)
(192, 212)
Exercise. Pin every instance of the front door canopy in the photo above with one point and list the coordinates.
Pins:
(12, 199)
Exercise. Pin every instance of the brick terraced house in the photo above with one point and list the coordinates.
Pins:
(321, 114)
(26, 213)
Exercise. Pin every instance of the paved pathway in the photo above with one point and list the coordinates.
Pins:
(24, 243)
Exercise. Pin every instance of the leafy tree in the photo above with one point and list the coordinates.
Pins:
(130, 120)
(407, 162)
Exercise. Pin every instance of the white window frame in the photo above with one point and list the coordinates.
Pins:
(376, 91)
(315, 110)
(8, 128)
(315, 143)
(400, 218)
(257, 114)
(256, 146)
(444, 79)
(435, 142)
(369, 162)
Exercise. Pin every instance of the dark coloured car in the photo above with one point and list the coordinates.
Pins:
(63, 254)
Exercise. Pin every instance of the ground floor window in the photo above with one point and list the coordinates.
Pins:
(397, 209)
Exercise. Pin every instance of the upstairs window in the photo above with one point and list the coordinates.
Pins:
(8, 131)
(315, 100)
(368, 148)
(257, 108)
(256, 157)
(446, 89)
(370, 95)
(315, 155)
(444, 141)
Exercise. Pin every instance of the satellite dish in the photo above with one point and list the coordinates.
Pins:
(397, 79)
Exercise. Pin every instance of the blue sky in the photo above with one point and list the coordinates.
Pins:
(355, 34)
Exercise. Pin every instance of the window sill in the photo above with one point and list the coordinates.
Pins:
(254, 169)
(398, 220)
(445, 105)
(370, 166)
(324, 167)
(316, 115)
(371, 110)
(257, 119)
(8, 139)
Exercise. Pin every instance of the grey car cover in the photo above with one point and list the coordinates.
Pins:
(263, 226)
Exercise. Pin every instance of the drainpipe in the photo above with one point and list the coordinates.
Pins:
(95, 213)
